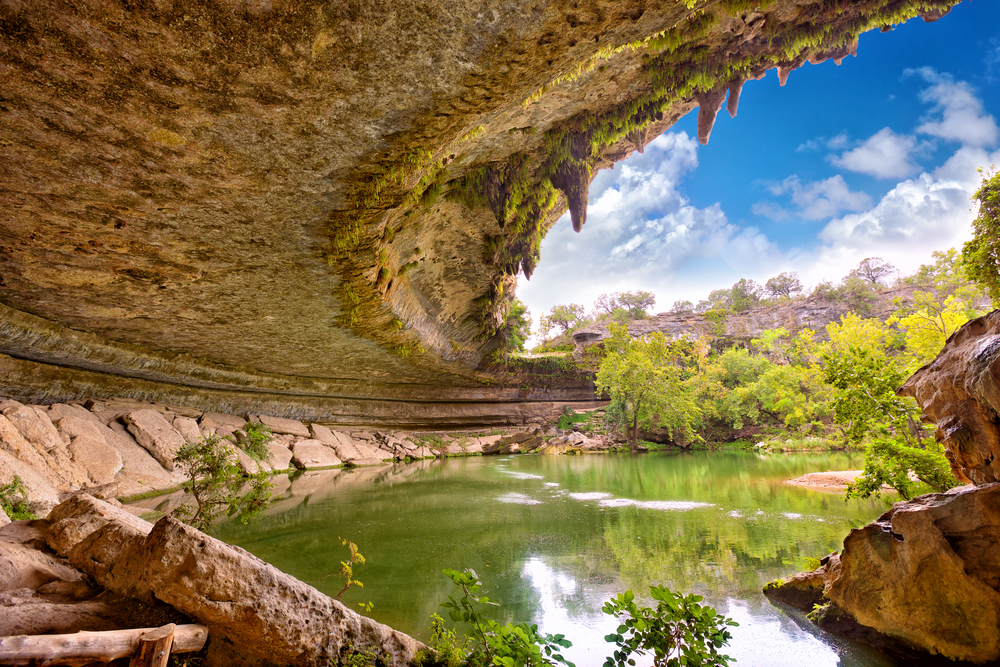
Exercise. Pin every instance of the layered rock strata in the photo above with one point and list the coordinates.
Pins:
(92, 565)
(314, 209)
(923, 577)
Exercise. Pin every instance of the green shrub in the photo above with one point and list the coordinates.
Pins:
(14, 500)
(215, 481)
(678, 632)
(253, 439)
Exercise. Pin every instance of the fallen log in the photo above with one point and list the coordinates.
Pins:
(83, 648)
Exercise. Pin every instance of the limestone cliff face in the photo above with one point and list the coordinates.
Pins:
(803, 313)
(331, 199)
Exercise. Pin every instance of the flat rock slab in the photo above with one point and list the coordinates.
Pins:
(313, 454)
(218, 421)
(281, 456)
(90, 449)
(155, 435)
(286, 426)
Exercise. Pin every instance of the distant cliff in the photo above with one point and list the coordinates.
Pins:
(729, 328)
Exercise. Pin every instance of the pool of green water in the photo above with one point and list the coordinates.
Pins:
(553, 537)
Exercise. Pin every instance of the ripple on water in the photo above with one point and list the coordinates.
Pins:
(518, 499)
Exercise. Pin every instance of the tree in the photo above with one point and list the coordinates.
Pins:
(566, 317)
(216, 480)
(544, 327)
(929, 322)
(981, 255)
(873, 269)
(641, 376)
(783, 285)
(744, 294)
(682, 306)
(634, 303)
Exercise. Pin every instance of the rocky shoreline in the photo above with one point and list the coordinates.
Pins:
(121, 448)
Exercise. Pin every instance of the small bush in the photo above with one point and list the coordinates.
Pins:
(253, 439)
(14, 500)
(215, 481)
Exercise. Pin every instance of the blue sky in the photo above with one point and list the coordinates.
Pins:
(876, 157)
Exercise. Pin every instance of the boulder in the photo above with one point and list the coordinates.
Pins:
(12, 442)
(139, 462)
(928, 572)
(531, 444)
(313, 454)
(803, 590)
(322, 433)
(73, 520)
(281, 456)
(36, 428)
(4, 519)
(221, 424)
(510, 448)
(287, 426)
(553, 449)
(89, 448)
(959, 392)
(24, 567)
(42, 495)
(270, 616)
(423, 453)
(59, 410)
(188, 428)
(155, 435)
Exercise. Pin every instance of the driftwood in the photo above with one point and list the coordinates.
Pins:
(154, 645)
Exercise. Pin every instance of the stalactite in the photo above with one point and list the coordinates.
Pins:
(733, 103)
(639, 139)
(573, 179)
(710, 103)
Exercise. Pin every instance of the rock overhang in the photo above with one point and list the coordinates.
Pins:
(333, 200)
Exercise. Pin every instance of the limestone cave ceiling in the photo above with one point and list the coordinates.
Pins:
(274, 194)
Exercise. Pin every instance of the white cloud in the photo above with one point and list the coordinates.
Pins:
(834, 143)
(957, 114)
(817, 200)
(640, 231)
(883, 155)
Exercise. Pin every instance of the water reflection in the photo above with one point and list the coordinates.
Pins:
(554, 537)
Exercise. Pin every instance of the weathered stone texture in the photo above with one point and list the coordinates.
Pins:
(960, 392)
(155, 435)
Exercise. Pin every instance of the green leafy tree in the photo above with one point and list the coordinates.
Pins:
(682, 306)
(890, 462)
(216, 481)
(981, 255)
(566, 317)
(679, 631)
(643, 377)
(634, 304)
(783, 285)
(867, 401)
(744, 294)
(928, 323)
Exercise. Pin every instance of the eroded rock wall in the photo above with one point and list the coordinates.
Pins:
(332, 199)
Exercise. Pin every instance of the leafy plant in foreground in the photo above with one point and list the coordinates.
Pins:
(216, 481)
(500, 645)
(889, 462)
(678, 632)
